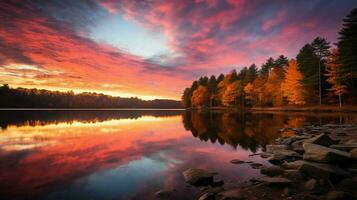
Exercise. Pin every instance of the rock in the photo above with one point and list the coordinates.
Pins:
(289, 140)
(318, 153)
(237, 161)
(198, 177)
(273, 148)
(273, 180)
(344, 147)
(321, 139)
(207, 196)
(354, 153)
(336, 195)
(272, 171)
(325, 171)
(297, 146)
(217, 183)
(233, 194)
(287, 192)
(266, 155)
(294, 165)
(256, 165)
(311, 184)
(279, 156)
(163, 194)
(293, 174)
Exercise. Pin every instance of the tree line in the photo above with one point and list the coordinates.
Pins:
(36, 98)
(318, 75)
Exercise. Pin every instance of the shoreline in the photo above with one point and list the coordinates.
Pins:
(309, 162)
(347, 108)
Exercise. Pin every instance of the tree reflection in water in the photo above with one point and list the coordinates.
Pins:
(251, 130)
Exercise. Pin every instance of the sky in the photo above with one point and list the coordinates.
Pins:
(152, 48)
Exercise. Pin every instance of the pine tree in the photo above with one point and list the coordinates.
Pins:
(347, 47)
(321, 49)
(266, 67)
(252, 73)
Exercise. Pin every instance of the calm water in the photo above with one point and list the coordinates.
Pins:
(131, 154)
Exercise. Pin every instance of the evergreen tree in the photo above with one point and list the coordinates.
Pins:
(308, 65)
(321, 49)
(266, 67)
(347, 47)
(252, 73)
(281, 62)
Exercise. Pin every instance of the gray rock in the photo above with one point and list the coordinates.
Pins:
(325, 171)
(273, 180)
(293, 174)
(297, 146)
(207, 196)
(237, 161)
(163, 194)
(354, 153)
(233, 194)
(318, 153)
(321, 139)
(336, 195)
(294, 165)
(279, 156)
(198, 177)
(274, 148)
(272, 171)
(344, 147)
(266, 155)
(311, 184)
(256, 165)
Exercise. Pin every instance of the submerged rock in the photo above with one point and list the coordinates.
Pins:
(318, 153)
(237, 161)
(198, 177)
(273, 180)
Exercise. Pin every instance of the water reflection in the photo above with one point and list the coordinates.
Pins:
(251, 131)
(130, 154)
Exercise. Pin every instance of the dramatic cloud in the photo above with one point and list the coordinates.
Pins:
(204, 37)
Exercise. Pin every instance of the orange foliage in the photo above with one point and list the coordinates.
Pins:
(292, 87)
(200, 96)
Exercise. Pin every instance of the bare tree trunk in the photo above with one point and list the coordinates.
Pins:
(320, 81)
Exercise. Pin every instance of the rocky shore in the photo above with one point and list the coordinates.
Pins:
(311, 162)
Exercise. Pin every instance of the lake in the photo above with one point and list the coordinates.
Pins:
(131, 154)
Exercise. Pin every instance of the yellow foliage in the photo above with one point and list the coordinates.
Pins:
(200, 96)
(291, 87)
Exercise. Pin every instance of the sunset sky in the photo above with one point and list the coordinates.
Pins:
(151, 49)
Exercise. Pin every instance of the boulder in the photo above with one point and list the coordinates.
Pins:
(324, 171)
(237, 161)
(207, 196)
(233, 194)
(198, 177)
(318, 153)
(273, 180)
(344, 147)
(321, 139)
(163, 194)
(311, 184)
(274, 148)
(297, 146)
(293, 174)
(272, 171)
(279, 156)
(266, 155)
(354, 153)
(256, 165)
(336, 195)
(294, 165)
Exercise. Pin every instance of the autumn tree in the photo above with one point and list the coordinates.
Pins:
(232, 93)
(186, 98)
(200, 97)
(248, 91)
(333, 76)
(291, 87)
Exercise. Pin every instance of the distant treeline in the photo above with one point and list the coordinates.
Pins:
(35, 98)
(317, 76)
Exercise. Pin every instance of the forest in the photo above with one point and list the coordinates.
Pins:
(35, 98)
(321, 74)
